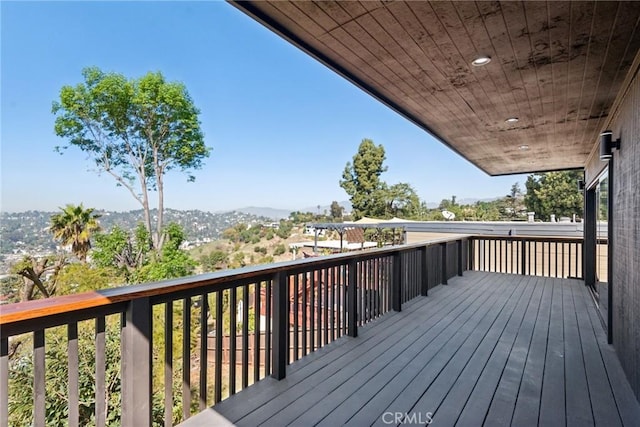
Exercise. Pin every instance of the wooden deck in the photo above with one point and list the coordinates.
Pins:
(487, 349)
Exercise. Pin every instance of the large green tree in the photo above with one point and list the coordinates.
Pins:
(136, 130)
(361, 180)
(371, 196)
(74, 227)
(554, 193)
(401, 200)
(514, 202)
(336, 211)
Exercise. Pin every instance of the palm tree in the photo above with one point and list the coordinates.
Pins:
(74, 226)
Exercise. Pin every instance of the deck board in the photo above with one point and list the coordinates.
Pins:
(577, 390)
(510, 314)
(527, 407)
(487, 349)
(552, 404)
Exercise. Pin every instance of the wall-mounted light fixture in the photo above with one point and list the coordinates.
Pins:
(607, 144)
(581, 184)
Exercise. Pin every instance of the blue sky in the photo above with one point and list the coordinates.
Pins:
(282, 126)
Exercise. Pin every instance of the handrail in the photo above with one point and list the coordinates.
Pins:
(529, 255)
(523, 237)
(297, 307)
(33, 310)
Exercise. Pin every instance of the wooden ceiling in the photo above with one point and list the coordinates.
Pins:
(556, 66)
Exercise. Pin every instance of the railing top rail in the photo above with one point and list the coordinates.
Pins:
(31, 310)
(563, 239)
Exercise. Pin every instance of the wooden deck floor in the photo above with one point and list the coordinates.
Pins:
(487, 349)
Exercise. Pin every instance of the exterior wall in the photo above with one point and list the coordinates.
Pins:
(625, 223)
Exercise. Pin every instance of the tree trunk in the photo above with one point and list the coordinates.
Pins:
(147, 219)
(159, 224)
(27, 290)
(31, 277)
(145, 207)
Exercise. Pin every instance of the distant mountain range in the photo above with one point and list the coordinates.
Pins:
(271, 213)
(277, 214)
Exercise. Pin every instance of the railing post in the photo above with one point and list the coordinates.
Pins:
(471, 254)
(280, 326)
(136, 355)
(424, 288)
(4, 382)
(460, 267)
(444, 262)
(352, 299)
(523, 256)
(396, 283)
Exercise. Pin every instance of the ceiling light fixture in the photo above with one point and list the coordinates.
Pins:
(523, 147)
(481, 60)
(512, 120)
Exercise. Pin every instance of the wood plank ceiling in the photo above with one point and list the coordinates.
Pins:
(556, 66)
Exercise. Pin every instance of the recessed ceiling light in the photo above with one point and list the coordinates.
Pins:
(512, 120)
(524, 147)
(481, 60)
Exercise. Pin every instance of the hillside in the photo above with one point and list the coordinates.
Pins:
(26, 232)
(261, 246)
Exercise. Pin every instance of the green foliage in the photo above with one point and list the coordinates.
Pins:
(238, 260)
(10, 286)
(514, 202)
(121, 251)
(242, 233)
(298, 217)
(75, 278)
(21, 378)
(268, 259)
(336, 211)
(215, 260)
(370, 196)
(531, 199)
(133, 257)
(279, 250)
(401, 200)
(136, 130)
(554, 193)
(171, 263)
(284, 230)
(74, 226)
(486, 211)
(21, 372)
(361, 180)
(178, 264)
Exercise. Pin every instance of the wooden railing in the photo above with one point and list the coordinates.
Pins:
(536, 256)
(159, 333)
